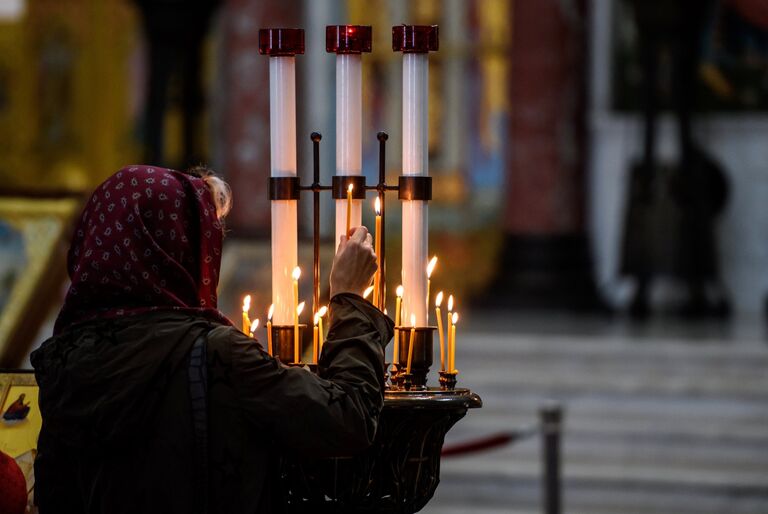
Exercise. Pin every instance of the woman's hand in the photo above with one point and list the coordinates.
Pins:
(354, 263)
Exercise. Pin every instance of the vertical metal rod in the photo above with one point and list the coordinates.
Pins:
(316, 137)
(382, 190)
(551, 417)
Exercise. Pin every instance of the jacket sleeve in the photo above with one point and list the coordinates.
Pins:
(332, 413)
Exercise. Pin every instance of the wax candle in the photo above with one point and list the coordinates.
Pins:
(378, 302)
(246, 325)
(430, 269)
(269, 328)
(315, 338)
(398, 317)
(454, 320)
(323, 310)
(296, 346)
(349, 209)
(296, 275)
(254, 326)
(440, 335)
(410, 343)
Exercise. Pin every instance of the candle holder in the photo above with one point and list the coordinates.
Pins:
(423, 352)
(283, 343)
(448, 380)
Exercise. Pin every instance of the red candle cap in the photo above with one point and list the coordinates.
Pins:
(415, 38)
(275, 42)
(348, 39)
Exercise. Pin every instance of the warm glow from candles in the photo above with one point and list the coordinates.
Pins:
(450, 303)
(246, 307)
(247, 303)
(296, 273)
(439, 299)
(300, 308)
(254, 326)
(399, 291)
(377, 206)
(431, 266)
(367, 292)
(323, 310)
(271, 312)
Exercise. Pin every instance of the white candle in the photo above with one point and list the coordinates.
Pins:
(415, 84)
(282, 131)
(348, 133)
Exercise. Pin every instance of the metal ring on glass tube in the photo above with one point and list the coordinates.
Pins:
(415, 38)
(284, 188)
(414, 187)
(348, 39)
(281, 42)
(340, 184)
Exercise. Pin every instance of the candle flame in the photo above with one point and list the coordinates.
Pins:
(450, 303)
(431, 266)
(317, 318)
(368, 292)
(300, 308)
(254, 325)
(399, 291)
(455, 318)
(296, 273)
(271, 312)
(377, 206)
(323, 310)
(385, 311)
(439, 299)
(350, 188)
(413, 320)
(246, 303)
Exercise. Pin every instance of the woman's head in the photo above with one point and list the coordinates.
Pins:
(149, 238)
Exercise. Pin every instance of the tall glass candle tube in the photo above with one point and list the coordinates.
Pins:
(281, 45)
(348, 42)
(415, 41)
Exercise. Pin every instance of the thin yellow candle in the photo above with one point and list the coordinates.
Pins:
(398, 315)
(254, 326)
(296, 276)
(315, 337)
(448, 331)
(410, 343)
(296, 349)
(454, 320)
(269, 328)
(438, 302)
(430, 269)
(378, 302)
(246, 308)
(321, 313)
(349, 207)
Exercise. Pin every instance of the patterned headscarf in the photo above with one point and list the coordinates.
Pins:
(148, 239)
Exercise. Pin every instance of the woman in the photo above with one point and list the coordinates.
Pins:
(151, 400)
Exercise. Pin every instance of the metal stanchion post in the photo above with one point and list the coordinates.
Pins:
(551, 417)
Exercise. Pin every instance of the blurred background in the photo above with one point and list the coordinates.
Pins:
(600, 174)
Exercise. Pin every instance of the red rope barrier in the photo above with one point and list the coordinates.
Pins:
(483, 444)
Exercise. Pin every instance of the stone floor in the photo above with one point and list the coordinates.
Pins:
(662, 418)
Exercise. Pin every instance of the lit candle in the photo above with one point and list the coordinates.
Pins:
(323, 310)
(454, 319)
(398, 315)
(349, 208)
(367, 292)
(378, 302)
(296, 275)
(269, 328)
(246, 308)
(296, 349)
(430, 269)
(410, 343)
(315, 337)
(438, 302)
(254, 326)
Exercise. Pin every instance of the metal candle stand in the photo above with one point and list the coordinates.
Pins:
(401, 470)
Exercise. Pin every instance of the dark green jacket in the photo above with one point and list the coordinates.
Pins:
(117, 432)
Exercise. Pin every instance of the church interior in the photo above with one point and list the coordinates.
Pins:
(597, 170)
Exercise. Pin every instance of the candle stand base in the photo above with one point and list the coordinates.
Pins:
(422, 354)
(448, 380)
(398, 474)
(284, 344)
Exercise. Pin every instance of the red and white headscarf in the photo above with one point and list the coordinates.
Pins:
(148, 239)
